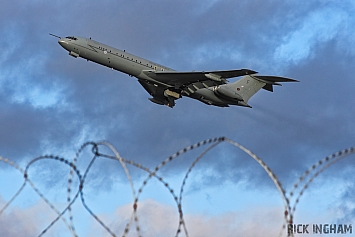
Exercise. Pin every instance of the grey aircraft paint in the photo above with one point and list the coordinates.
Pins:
(166, 85)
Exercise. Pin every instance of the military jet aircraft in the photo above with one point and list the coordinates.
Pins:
(166, 85)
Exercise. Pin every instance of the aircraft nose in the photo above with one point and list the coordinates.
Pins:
(62, 42)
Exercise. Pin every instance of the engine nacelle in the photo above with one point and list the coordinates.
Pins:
(228, 93)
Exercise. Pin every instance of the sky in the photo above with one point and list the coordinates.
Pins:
(51, 103)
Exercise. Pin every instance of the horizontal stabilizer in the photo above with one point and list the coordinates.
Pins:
(272, 80)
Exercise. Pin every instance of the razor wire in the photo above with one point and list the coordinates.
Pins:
(301, 184)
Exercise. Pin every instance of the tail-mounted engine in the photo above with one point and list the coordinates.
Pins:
(227, 93)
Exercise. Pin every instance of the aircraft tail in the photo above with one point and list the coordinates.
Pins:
(250, 84)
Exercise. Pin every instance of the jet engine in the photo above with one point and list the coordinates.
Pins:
(227, 93)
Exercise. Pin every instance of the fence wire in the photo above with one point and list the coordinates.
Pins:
(76, 193)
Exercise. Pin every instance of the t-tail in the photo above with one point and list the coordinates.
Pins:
(243, 89)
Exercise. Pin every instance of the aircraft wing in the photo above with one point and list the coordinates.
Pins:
(168, 86)
(178, 79)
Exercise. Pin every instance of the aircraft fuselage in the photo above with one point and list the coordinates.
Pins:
(110, 57)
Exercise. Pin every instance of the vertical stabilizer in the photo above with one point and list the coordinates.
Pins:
(247, 87)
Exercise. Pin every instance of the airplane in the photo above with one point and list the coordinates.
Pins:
(166, 85)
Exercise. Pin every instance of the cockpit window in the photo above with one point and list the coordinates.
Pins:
(71, 37)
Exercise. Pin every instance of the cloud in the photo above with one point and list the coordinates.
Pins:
(156, 219)
(319, 26)
(52, 103)
(29, 221)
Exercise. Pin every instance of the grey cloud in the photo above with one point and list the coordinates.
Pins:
(163, 218)
(284, 127)
(19, 222)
